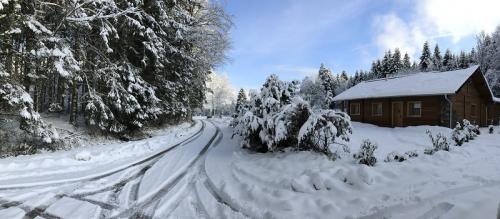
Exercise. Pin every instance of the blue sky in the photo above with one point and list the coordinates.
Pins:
(292, 38)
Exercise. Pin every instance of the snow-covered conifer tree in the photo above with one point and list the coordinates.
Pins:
(437, 59)
(426, 63)
(328, 82)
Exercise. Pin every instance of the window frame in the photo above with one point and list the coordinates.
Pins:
(381, 109)
(409, 109)
(351, 108)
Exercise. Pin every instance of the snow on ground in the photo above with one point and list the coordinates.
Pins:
(88, 160)
(393, 139)
(463, 183)
(225, 181)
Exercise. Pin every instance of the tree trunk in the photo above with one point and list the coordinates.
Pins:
(74, 103)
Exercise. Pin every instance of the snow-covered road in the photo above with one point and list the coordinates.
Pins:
(158, 185)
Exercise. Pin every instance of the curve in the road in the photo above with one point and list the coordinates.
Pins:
(135, 211)
(40, 210)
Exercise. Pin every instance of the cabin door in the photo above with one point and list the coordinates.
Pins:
(397, 114)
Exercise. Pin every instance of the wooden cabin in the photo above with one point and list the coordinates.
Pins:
(426, 98)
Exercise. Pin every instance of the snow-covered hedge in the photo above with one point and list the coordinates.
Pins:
(277, 118)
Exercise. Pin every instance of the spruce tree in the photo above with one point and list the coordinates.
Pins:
(328, 82)
(437, 59)
(448, 61)
(387, 64)
(241, 101)
(406, 62)
(396, 61)
(426, 58)
(463, 62)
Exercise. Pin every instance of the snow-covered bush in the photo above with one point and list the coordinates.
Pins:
(365, 154)
(396, 156)
(277, 118)
(471, 131)
(410, 154)
(458, 135)
(491, 129)
(439, 143)
(320, 130)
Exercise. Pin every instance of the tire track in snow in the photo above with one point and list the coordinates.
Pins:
(40, 210)
(135, 211)
(109, 173)
(211, 188)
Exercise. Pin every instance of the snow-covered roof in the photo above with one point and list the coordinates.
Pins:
(418, 84)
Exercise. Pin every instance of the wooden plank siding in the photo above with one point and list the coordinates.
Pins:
(430, 112)
(469, 95)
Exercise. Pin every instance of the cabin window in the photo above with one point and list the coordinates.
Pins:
(415, 109)
(473, 110)
(377, 109)
(354, 109)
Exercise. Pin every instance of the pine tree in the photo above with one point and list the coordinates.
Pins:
(328, 82)
(406, 63)
(241, 101)
(387, 64)
(473, 57)
(397, 62)
(426, 58)
(437, 59)
(448, 61)
(463, 62)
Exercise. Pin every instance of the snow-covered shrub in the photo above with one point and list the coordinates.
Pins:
(396, 156)
(55, 108)
(471, 131)
(410, 154)
(320, 130)
(491, 129)
(276, 119)
(365, 154)
(458, 135)
(439, 143)
(283, 128)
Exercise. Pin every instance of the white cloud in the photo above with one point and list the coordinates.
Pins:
(432, 19)
(393, 32)
(459, 18)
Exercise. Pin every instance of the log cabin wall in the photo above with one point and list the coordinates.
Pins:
(471, 101)
(430, 111)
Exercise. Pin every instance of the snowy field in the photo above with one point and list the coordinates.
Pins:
(463, 183)
(205, 174)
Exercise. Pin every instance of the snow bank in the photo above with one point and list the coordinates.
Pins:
(83, 156)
